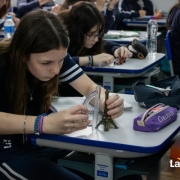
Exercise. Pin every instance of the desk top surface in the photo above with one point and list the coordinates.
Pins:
(122, 139)
(126, 37)
(131, 66)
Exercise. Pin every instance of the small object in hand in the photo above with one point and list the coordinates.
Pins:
(106, 119)
(120, 61)
(158, 14)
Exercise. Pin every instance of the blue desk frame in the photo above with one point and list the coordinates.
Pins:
(143, 23)
(132, 68)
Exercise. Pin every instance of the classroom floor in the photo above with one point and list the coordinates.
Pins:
(168, 173)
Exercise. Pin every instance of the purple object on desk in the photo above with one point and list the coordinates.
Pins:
(155, 118)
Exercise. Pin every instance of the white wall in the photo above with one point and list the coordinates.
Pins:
(13, 2)
(164, 5)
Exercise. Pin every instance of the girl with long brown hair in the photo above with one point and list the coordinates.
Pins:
(31, 66)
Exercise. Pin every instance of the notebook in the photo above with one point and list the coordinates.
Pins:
(114, 34)
(59, 104)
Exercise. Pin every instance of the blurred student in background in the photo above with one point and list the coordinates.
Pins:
(128, 9)
(25, 6)
(173, 24)
(100, 4)
(85, 25)
(4, 7)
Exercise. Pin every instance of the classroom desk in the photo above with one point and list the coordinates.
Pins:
(124, 40)
(123, 142)
(131, 68)
(143, 22)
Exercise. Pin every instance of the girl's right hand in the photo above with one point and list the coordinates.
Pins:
(103, 59)
(66, 121)
(56, 9)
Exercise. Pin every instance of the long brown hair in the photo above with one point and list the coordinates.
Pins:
(39, 31)
(4, 9)
(177, 5)
(79, 20)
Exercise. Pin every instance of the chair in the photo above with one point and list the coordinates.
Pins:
(168, 52)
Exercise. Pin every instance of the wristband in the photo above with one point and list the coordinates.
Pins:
(90, 60)
(24, 130)
(37, 126)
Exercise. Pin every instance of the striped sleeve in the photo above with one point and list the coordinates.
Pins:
(69, 71)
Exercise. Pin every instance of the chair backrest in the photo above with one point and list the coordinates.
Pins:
(168, 51)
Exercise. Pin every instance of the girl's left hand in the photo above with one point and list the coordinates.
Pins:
(115, 106)
(122, 52)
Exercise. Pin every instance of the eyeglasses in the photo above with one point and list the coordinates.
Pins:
(93, 36)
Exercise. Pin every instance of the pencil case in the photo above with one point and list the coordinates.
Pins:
(155, 118)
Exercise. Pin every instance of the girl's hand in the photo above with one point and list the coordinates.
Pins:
(67, 121)
(112, 3)
(56, 9)
(115, 106)
(122, 52)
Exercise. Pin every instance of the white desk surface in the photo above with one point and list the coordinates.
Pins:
(127, 36)
(123, 142)
(132, 66)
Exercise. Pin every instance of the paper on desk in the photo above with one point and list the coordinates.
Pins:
(62, 103)
(81, 133)
(118, 34)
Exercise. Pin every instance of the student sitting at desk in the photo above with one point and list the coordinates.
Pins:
(25, 6)
(85, 25)
(108, 15)
(173, 23)
(128, 9)
(109, 18)
(30, 71)
(4, 7)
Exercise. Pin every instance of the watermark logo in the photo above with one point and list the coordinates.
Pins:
(175, 164)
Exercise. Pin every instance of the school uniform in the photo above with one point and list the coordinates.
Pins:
(109, 47)
(25, 6)
(129, 10)
(67, 90)
(174, 23)
(25, 161)
(109, 19)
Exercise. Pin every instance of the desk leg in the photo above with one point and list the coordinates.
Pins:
(103, 166)
(108, 83)
(155, 172)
